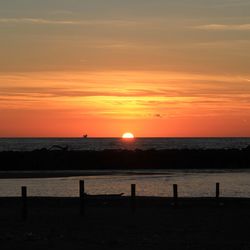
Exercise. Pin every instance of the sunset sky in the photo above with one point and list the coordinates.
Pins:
(156, 68)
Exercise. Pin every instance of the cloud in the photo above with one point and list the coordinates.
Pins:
(66, 22)
(126, 94)
(122, 84)
(69, 92)
(62, 12)
(236, 27)
(36, 21)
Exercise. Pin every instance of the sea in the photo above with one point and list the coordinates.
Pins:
(153, 182)
(29, 144)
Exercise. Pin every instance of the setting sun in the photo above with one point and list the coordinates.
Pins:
(127, 136)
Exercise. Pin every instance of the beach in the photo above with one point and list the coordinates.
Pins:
(124, 125)
(151, 222)
(111, 223)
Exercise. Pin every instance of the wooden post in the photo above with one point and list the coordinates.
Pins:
(175, 191)
(133, 190)
(82, 197)
(133, 195)
(217, 190)
(175, 194)
(24, 203)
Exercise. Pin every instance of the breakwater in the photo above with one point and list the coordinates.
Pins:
(125, 159)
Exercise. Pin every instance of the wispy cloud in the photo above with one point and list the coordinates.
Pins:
(61, 12)
(240, 27)
(36, 21)
(66, 22)
(245, 79)
(138, 94)
(69, 92)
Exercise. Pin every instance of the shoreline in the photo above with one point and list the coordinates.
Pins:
(12, 174)
(46, 174)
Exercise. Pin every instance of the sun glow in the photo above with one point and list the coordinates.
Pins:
(128, 135)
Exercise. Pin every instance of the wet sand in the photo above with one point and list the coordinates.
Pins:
(56, 223)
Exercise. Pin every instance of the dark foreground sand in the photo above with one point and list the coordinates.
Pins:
(55, 223)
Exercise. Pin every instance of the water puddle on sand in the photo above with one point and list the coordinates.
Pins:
(191, 183)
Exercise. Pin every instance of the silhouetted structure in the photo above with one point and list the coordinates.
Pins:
(58, 147)
(64, 159)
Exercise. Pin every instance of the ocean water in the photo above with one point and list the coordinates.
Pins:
(29, 144)
(191, 183)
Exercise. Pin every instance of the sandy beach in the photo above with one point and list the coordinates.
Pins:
(56, 223)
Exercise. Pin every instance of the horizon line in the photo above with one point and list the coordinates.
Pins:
(119, 137)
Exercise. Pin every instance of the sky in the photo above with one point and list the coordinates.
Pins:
(156, 68)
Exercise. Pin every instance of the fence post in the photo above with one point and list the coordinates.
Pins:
(175, 194)
(24, 203)
(217, 190)
(175, 191)
(82, 197)
(133, 196)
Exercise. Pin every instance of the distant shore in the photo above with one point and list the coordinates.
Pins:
(56, 223)
(44, 159)
(69, 173)
(41, 174)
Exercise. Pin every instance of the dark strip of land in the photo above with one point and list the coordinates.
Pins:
(72, 173)
(56, 223)
(48, 174)
(125, 159)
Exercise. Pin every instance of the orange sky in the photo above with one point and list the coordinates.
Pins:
(155, 68)
(110, 103)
